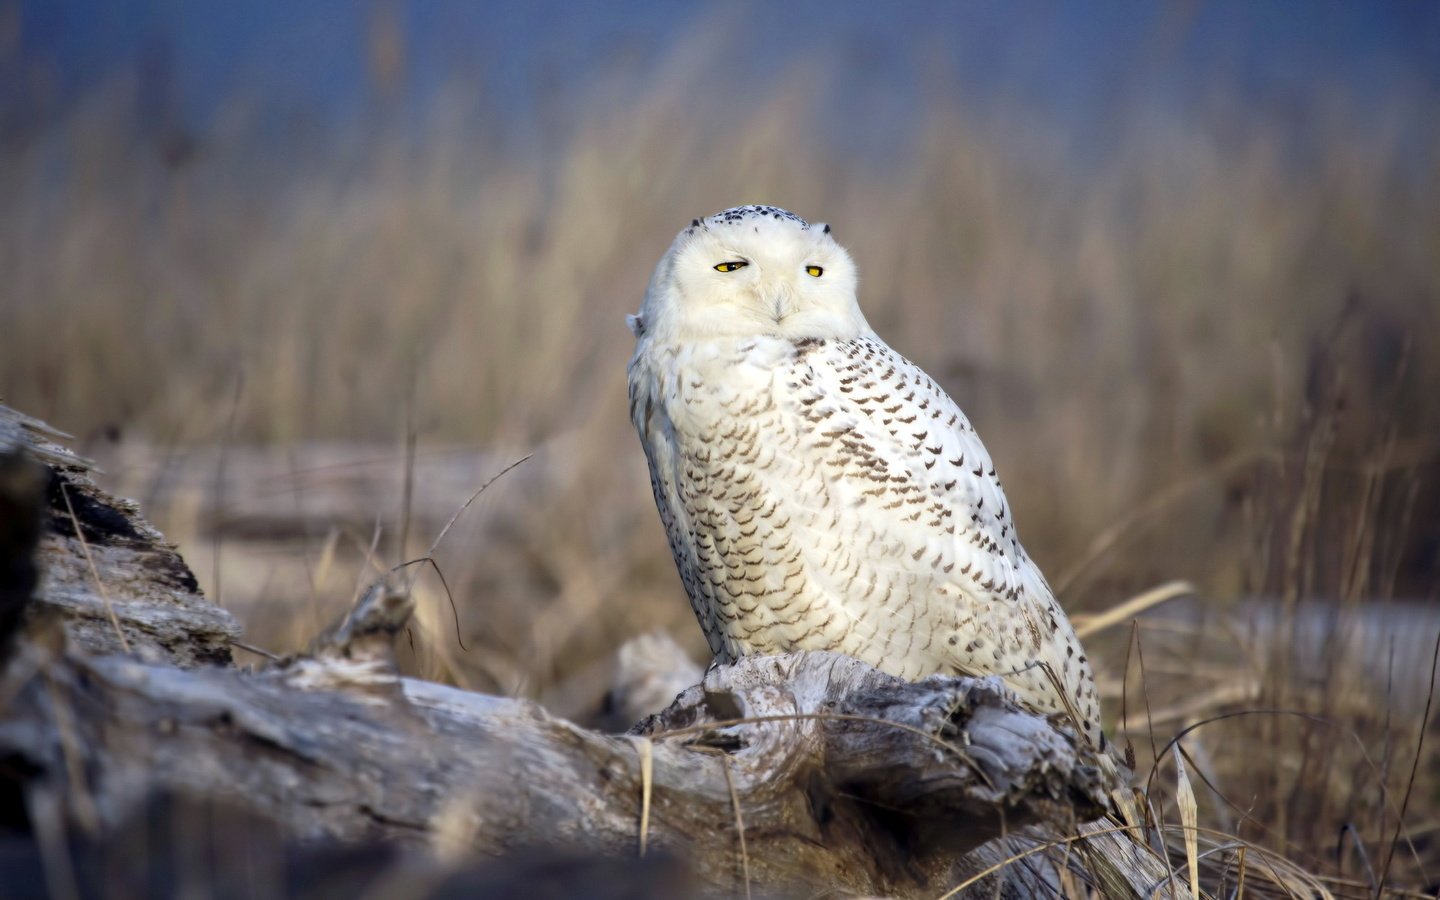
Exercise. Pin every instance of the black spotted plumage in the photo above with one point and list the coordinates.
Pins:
(819, 491)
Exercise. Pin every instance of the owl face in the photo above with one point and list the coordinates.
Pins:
(748, 272)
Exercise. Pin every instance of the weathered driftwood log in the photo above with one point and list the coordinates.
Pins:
(118, 584)
(804, 774)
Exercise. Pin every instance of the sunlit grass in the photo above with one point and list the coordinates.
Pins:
(1212, 357)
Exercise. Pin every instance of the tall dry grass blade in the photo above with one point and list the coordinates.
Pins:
(739, 822)
(407, 484)
(327, 555)
(1123, 612)
(1125, 803)
(217, 544)
(645, 749)
(1391, 569)
(1142, 512)
(1240, 874)
(1025, 854)
(1221, 696)
(1410, 784)
(1058, 687)
(1348, 830)
(1189, 820)
(94, 572)
(1125, 693)
(303, 539)
(1367, 519)
(1281, 873)
(1157, 811)
(1247, 815)
(368, 566)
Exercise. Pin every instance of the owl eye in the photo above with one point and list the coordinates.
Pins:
(814, 271)
(731, 266)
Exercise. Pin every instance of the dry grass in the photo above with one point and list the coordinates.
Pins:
(1212, 357)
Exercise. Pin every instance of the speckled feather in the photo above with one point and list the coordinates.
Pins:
(823, 493)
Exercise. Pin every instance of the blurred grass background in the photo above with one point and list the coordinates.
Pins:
(1180, 266)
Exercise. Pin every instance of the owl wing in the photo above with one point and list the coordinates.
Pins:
(649, 387)
(903, 470)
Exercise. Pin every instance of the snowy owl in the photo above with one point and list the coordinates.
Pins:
(820, 491)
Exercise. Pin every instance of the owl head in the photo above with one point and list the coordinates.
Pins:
(751, 271)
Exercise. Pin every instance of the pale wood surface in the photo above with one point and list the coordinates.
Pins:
(841, 780)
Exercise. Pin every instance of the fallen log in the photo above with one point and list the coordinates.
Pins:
(112, 577)
(797, 774)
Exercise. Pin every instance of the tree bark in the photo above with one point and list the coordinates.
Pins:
(798, 774)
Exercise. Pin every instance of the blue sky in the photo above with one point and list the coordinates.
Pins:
(1070, 62)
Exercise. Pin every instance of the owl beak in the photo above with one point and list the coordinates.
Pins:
(780, 304)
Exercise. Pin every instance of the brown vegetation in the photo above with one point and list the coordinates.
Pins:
(1211, 357)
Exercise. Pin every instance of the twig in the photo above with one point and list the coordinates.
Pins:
(258, 651)
(466, 505)
(430, 554)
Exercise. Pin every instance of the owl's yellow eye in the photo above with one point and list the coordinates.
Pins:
(814, 271)
(731, 266)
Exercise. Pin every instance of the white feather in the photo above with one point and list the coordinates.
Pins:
(819, 490)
